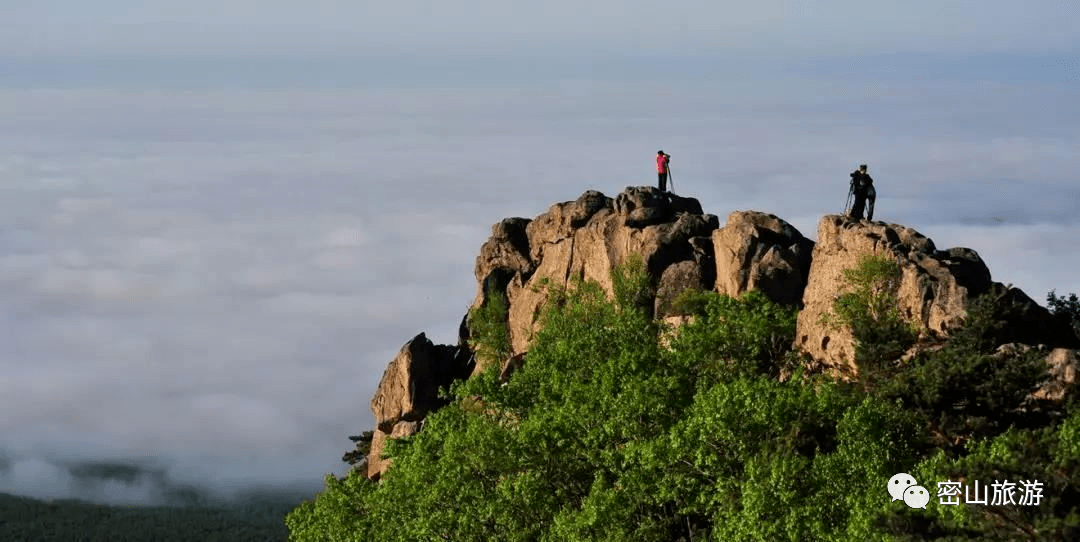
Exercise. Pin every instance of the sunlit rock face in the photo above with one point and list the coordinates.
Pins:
(683, 249)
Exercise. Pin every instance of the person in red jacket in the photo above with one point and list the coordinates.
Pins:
(662, 161)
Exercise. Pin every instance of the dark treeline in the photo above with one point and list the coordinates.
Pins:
(31, 520)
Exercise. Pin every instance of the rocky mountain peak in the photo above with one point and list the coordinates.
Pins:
(936, 289)
(684, 248)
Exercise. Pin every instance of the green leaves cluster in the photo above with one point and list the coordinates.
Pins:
(489, 327)
(870, 310)
(966, 389)
(729, 337)
(632, 285)
(1066, 308)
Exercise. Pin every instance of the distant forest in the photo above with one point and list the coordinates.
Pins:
(31, 520)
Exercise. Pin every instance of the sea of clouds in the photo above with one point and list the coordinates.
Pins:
(208, 283)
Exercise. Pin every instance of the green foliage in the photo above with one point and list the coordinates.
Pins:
(763, 460)
(1065, 308)
(731, 337)
(489, 328)
(334, 515)
(618, 429)
(965, 390)
(363, 447)
(986, 325)
(632, 285)
(1047, 454)
(870, 310)
(981, 425)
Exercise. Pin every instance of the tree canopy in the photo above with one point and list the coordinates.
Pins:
(618, 428)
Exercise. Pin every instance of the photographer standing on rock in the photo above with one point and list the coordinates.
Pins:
(662, 170)
(862, 188)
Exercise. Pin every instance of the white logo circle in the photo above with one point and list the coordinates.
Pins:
(916, 497)
(899, 483)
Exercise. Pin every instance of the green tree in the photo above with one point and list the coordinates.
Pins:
(1065, 308)
(757, 459)
(966, 389)
(1049, 455)
(870, 310)
(730, 337)
(632, 285)
(336, 515)
(981, 424)
(490, 330)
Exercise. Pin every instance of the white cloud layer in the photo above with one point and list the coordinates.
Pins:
(217, 279)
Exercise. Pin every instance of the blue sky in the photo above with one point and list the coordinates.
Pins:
(220, 220)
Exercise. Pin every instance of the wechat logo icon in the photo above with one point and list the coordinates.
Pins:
(902, 486)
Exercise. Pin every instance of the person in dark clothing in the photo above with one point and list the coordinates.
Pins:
(662, 161)
(862, 189)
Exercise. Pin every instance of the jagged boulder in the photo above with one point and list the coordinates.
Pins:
(1027, 322)
(760, 251)
(561, 220)
(409, 390)
(677, 278)
(587, 238)
(643, 206)
(935, 291)
(936, 286)
(505, 254)
(685, 249)
(1061, 365)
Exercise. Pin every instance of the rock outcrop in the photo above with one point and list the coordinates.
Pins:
(1061, 365)
(1027, 322)
(581, 239)
(588, 237)
(504, 255)
(936, 288)
(759, 251)
(684, 248)
(677, 278)
(409, 390)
